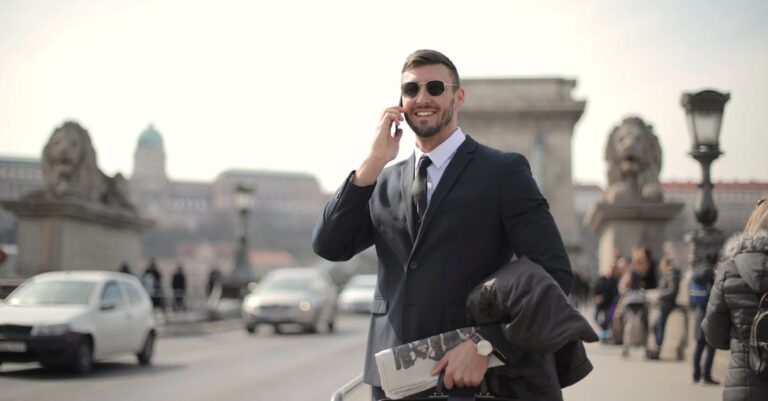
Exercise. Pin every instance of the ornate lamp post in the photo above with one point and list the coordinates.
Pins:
(242, 274)
(704, 115)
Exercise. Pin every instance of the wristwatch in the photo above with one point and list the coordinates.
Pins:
(483, 346)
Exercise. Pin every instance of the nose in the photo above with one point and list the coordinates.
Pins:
(422, 95)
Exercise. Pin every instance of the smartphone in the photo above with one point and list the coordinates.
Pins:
(397, 123)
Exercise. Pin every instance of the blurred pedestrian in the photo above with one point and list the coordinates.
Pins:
(580, 289)
(179, 285)
(700, 288)
(152, 280)
(606, 293)
(214, 278)
(634, 282)
(125, 268)
(742, 278)
(669, 286)
(642, 271)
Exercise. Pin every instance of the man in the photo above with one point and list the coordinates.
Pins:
(179, 285)
(440, 226)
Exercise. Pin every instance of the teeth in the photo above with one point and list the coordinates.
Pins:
(424, 113)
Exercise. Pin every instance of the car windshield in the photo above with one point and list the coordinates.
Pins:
(288, 283)
(52, 293)
(362, 282)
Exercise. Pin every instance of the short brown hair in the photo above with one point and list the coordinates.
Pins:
(758, 220)
(430, 57)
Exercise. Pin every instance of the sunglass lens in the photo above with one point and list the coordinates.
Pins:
(410, 89)
(435, 88)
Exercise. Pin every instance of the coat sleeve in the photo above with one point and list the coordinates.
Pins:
(529, 226)
(345, 227)
(717, 321)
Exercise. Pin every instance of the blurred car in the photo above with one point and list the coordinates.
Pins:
(71, 318)
(357, 295)
(295, 295)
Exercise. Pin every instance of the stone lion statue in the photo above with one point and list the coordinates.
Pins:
(70, 171)
(634, 162)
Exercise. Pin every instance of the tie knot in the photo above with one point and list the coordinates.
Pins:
(424, 162)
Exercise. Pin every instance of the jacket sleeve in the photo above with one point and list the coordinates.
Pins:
(670, 287)
(345, 227)
(717, 321)
(529, 225)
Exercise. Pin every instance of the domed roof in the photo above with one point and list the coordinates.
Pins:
(150, 138)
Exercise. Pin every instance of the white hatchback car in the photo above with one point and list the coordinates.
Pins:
(71, 318)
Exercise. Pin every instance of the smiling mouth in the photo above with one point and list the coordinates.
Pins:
(424, 113)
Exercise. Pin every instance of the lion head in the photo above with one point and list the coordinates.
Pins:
(634, 162)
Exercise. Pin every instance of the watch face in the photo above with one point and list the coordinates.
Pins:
(484, 347)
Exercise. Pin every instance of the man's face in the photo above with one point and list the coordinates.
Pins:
(431, 115)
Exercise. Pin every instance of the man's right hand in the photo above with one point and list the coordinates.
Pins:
(385, 147)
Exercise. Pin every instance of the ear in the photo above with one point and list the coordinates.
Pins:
(459, 96)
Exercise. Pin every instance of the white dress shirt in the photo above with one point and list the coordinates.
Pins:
(441, 156)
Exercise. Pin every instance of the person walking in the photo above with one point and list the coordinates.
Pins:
(742, 278)
(700, 288)
(179, 285)
(214, 279)
(606, 293)
(125, 268)
(152, 280)
(669, 286)
(442, 220)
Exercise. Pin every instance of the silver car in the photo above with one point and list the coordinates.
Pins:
(297, 295)
(357, 295)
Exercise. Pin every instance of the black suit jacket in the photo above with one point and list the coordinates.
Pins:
(485, 208)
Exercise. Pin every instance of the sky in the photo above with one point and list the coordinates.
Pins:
(300, 85)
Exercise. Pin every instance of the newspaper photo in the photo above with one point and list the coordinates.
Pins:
(407, 369)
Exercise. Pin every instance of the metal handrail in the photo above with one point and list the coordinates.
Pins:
(339, 394)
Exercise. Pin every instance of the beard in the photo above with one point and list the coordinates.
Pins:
(429, 131)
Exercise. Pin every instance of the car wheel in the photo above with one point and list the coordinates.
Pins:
(250, 328)
(83, 362)
(145, 356)
(311, 328)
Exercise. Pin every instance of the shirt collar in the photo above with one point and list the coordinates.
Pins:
(445, 151)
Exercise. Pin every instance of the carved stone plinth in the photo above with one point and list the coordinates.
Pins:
(621, 226)
(71, 234)
(704, 243)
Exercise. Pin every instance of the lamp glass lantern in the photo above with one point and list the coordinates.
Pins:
(704, 115)
(243, 198)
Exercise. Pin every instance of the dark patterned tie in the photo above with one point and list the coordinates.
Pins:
(419, 189)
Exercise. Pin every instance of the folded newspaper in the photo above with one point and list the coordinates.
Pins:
(407, 369)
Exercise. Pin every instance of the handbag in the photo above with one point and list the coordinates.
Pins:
(480, 394)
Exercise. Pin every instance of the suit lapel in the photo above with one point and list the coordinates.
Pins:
(463, 156)
(406, 181)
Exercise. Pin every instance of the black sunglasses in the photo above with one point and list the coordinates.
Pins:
(434, 88)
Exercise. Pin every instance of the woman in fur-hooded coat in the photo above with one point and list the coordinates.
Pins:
(741, 280)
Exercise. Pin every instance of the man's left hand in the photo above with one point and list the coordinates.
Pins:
(464, 367)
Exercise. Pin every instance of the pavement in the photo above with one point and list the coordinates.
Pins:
(199, 320)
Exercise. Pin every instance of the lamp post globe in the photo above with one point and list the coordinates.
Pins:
(704, 117)
(242, 273)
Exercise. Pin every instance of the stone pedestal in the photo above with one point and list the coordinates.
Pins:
(534, 117)
(74, 235)
(704, 242)
(621, 226)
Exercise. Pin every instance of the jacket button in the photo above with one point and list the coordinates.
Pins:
(413, 264)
